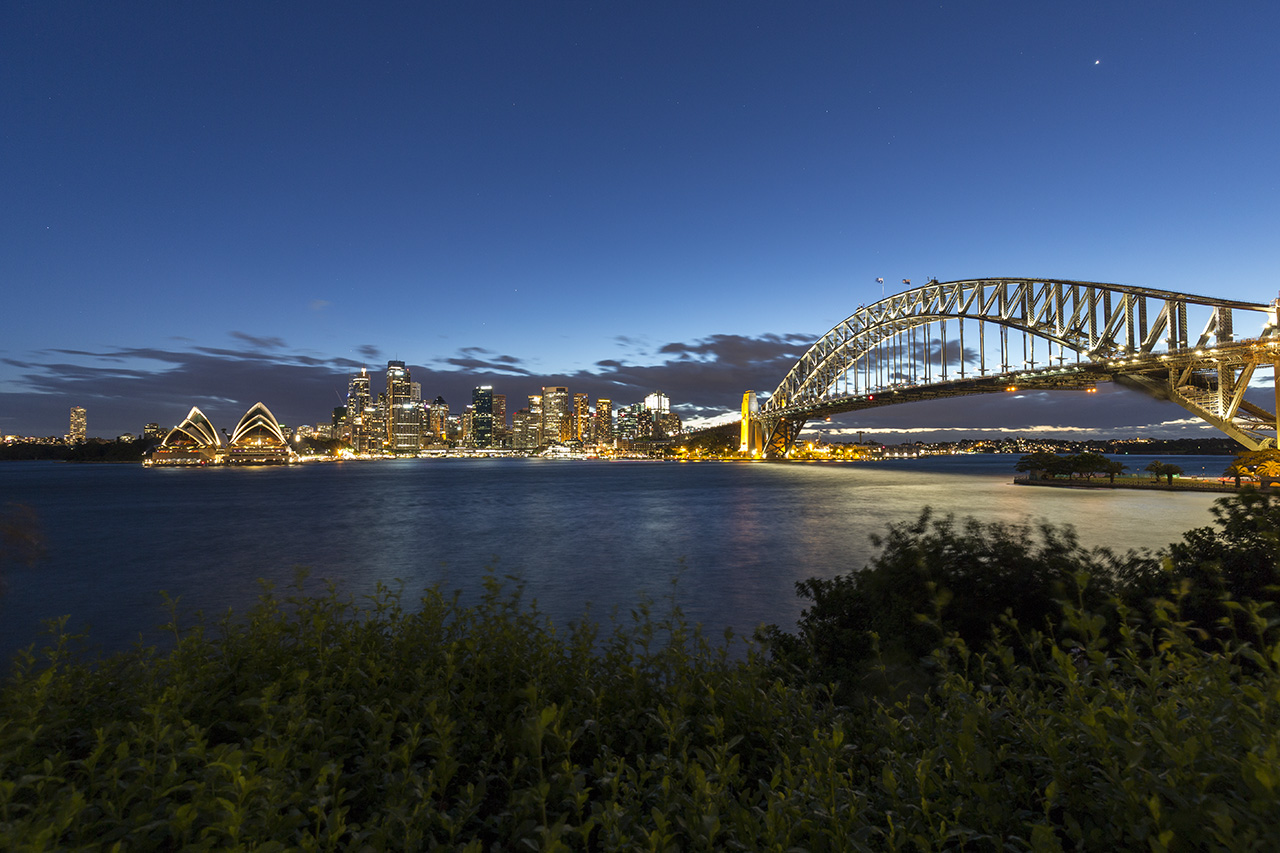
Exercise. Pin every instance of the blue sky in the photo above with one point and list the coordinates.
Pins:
(214, 204)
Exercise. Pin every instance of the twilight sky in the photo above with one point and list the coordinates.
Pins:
(220, 203)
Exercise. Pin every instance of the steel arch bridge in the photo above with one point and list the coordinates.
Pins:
(981, 336)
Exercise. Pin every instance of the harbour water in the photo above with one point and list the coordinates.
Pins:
(727, 541)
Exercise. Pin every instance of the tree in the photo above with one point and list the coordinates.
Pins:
(1161, 469)
(1040, 463)
(1088, 464)
(1113, 467)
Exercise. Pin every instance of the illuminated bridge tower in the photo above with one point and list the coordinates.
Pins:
(752, 434)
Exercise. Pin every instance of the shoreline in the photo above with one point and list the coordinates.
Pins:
(1140, 484)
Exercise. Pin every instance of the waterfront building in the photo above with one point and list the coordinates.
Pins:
(556, 423)
(501, 434)
(631, 421)
(153, 431)
(524, 430)
(360, 414)
(581, 417)
(258, 439)
(192, 442)
(482, 416)
(401, 414)
(79, 425)
(602, 433)
(535, 412)
(439, 419)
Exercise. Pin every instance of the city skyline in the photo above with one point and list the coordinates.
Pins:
(227, 205)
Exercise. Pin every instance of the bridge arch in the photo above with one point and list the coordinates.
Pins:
(1139, 336)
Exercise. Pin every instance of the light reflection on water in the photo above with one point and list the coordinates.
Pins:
(735, 537)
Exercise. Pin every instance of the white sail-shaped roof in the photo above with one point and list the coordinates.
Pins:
(195, 429)
(258, 427)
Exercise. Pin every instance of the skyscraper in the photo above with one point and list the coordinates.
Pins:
(536, 433)
(482, 416)
(603, 432)
(556, 424)
(79, 425)
(581, 417)
(360, 412)
(500, 432)
(402, 414)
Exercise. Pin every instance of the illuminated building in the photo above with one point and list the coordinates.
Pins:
(439, 419)
(501, 435)
(192, 442)
(603, 432)
(524, 430)
(556, 424)
(360, 414)
(79, 425)
(581, 417)
(258, 440)
(537, 435)
(152, 431)
(401, 413)
(482, 416)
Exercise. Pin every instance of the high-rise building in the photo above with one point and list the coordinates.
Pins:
(524, 430)
(439, 419)
(79, 425)
(401, 413)
(602, 434)
(501, 435)
(658, 403)
(482, 416)
(581, 417)
(537, 436)
(152, 431)
(359, 431)
(557, 426)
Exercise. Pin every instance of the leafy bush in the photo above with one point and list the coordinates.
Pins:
(966, 576)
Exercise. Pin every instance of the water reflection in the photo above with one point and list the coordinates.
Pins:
(737, 536)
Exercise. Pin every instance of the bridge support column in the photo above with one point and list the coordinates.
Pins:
(752, 442)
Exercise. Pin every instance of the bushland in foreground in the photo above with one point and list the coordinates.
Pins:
(329, 723)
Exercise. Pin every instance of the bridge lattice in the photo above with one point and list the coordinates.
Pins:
(989, 335)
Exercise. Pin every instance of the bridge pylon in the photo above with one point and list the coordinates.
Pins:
(752, 442)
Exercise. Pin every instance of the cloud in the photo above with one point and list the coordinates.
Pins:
(260, 343)
(319, 304)
(369, 351)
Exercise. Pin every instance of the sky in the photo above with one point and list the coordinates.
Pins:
(215, 204)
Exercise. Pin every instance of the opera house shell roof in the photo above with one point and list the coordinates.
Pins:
(257, 440)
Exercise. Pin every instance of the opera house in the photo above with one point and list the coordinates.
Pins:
(257, 440)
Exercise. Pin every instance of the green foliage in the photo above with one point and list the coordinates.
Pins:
(1160, 469)
(965, 576)
(318, 724)
(1077, 464)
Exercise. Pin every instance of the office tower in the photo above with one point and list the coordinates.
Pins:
(79, 425)
(603, 432)
(401, 413)
(359, 425)
(658, 403)
(415, 392)
(500, 432)
(439, 419)
(556, 424)
(581, 417)
(524, 430)
(538, 436)
(152, 431)
(633, 422)
(482, 416)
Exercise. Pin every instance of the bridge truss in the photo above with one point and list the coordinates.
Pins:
(990, 335)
